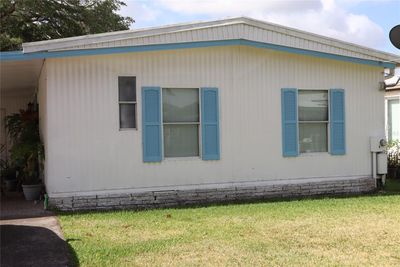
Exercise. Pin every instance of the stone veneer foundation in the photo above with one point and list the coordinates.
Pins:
(218, 194)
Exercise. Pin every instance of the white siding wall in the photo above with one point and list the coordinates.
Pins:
(42, 100)
(15, 100)
(12, 101)
(87, 152)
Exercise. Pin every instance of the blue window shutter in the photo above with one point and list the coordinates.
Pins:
(151, 120)
(337, 122)
(290, 147)
(210, 124)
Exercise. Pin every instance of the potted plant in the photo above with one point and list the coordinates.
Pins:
(8, 175)
(7, 172)
(393, 152)
(27, 151)
(9, 178)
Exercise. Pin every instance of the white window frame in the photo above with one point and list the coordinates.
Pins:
(327, 124)
(181, 123)
(127, 102)
(387, 98)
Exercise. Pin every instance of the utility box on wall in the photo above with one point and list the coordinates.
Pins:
(382, 163)
(377, 144)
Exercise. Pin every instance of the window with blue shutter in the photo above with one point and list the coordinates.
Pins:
(305, 121)
(289, 122)
(151, 120)
(337, 122)
(210, 124)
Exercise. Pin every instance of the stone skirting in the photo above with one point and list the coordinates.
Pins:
(190, 197)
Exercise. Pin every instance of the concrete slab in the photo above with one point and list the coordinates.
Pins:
(31, 236)
(14, 206)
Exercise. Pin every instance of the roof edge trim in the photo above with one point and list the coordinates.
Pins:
(19, 55)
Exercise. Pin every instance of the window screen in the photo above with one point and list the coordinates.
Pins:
(313, 120)
(181, 122)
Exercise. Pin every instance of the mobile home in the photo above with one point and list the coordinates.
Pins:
(233, 109)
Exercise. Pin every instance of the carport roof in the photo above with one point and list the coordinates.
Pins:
(20, 75)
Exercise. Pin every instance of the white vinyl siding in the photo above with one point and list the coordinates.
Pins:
(249, 82)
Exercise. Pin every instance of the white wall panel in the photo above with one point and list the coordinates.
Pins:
(42, 100)
(86, 151)
(12, 101)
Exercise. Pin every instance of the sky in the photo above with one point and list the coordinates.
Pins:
(364, 22)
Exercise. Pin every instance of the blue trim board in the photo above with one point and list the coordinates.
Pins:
(19, 55)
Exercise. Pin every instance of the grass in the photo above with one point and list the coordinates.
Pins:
(392, 186)
(357, 231)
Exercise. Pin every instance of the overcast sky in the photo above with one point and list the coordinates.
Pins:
(364, 22)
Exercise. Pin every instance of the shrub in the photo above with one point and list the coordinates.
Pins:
(27, 150)
(393, 152)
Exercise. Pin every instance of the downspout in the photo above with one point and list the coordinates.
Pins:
(374, 176)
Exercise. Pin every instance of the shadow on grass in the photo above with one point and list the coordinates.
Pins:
(392, 187)
(74, 260)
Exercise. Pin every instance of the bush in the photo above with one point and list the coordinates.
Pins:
(27, 150)
(393, 152)
(7, 172)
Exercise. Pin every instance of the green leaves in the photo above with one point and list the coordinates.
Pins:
(27, 151)
(36, 20)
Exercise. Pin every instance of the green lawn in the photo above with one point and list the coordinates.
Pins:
(392, 185)
(358, 231)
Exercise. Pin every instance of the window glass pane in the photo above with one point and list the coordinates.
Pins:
(313, 105)
(313, 137)
(127, 118)
(393, 119)
(127, 88)
(180, 105)
(181, 140)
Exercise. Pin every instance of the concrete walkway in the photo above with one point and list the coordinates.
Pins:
(30, 236)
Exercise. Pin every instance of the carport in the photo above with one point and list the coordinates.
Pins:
(30, 235)
(19, 79)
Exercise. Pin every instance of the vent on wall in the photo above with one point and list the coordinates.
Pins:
(382, 86)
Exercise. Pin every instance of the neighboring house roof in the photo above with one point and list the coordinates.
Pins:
(233, 31)
(393, 83)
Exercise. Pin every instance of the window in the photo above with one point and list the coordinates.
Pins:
(393, 119)
(313, 120)
(180, 122)
(127, 102)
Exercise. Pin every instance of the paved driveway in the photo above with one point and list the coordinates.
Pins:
(30, 236)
